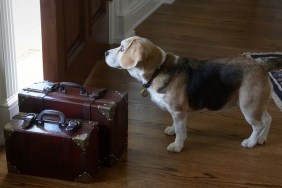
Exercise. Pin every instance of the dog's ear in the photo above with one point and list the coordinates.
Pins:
(134, 54)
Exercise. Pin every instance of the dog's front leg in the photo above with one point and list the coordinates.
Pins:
(179, 126)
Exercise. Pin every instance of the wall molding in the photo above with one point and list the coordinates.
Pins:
(8, 67)
(126, 15)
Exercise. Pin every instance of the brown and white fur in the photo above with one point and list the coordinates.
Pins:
(186, 84)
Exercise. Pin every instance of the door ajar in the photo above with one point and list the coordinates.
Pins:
(74, 37)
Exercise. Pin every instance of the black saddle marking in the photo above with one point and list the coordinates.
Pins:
(211, 84)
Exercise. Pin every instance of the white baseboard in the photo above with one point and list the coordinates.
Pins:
(125, 18)
(7, 110)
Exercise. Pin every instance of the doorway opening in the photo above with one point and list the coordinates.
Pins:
(28, 42)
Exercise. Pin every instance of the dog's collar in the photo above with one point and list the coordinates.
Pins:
(144, 91)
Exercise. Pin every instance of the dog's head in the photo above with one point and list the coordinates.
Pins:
(135, 53)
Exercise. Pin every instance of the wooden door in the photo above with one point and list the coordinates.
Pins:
(74, 37)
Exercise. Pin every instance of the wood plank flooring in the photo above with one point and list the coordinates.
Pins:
(212, 156)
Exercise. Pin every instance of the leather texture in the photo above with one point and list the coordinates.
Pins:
(109, 108)
(47, 149)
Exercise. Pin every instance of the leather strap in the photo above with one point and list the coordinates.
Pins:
(155, 74)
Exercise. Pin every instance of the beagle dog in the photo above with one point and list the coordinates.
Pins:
(179, 85)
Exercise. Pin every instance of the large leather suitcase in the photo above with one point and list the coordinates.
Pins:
(49, 145)
(109, 108)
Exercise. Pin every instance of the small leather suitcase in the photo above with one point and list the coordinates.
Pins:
(48, 145)
(109, 108)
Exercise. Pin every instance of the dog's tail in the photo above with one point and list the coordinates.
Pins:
(270, 61)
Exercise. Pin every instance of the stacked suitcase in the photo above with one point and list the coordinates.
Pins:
(92, 121)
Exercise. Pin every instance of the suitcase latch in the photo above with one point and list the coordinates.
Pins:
(72, 125)
(28, 121)
(98, 94)
(50, 87)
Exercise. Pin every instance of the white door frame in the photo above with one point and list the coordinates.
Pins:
(8, 67)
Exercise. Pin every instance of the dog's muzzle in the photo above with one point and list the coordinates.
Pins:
(111, 60)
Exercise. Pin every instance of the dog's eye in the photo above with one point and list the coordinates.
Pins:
(121, 49)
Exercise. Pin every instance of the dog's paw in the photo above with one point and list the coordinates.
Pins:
(173, 147)
(169, 131)
(249, 143)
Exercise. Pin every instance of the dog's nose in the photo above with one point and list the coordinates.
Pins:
(106, 53)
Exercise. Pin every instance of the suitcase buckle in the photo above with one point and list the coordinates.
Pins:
(72, 125)
(97, 94)
(28, 121)
(50, 87)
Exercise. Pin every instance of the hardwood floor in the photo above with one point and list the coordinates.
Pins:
(212, 156)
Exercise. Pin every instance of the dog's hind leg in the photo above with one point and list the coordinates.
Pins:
(254, 97)
(266, 120)
(260, 122)
(257, 127)
(179, 126)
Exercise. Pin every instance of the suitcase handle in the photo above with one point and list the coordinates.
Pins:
(63, 85)
(59, 114)
(96, 94)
